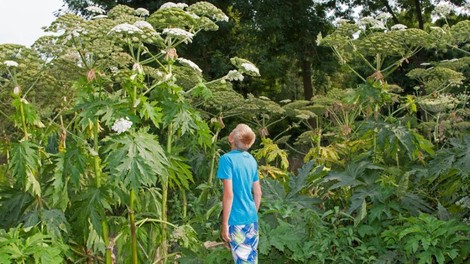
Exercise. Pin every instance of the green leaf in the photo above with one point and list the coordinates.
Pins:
(151, 112)
(25, 163)
(135, 159)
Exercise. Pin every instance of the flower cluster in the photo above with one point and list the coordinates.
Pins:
(173, 5)
(95, 9)
(122, 125)
(383, 16)
(10, 63)
(143, 24)
(398, 27)
(141, 12)
(190, 64)
(234, 75)
(249, 67)
(443, 9)
(179, 33)
(371, 22)
(127, 28)
(99, 16)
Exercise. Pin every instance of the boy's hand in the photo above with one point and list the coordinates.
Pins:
(224, 232)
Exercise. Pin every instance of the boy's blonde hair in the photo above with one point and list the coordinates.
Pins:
(243, 137)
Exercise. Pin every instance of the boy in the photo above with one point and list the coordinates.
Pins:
(242, 196)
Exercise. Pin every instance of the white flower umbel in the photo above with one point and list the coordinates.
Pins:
(95, 9)
(179, 33)
(125, 28)
(369, 21)
(249, 67)
(10, 63)
(398, 27)
(285, 101)
(99, 16)
(234, 75)
(384, 16)
(190, 64)
(443, 9)
(122, 125)
(220, 17)
(144, 24)
(264, 98)
(141, 12)
(173, 5)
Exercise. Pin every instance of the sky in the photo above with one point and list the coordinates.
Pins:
(21, 20)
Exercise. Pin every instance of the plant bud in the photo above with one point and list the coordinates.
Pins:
(17, 90)
(91, 75)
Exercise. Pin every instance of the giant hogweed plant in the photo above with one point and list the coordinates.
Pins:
(372, 51)
(123, 139)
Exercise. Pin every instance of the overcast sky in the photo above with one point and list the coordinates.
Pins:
(21, 20)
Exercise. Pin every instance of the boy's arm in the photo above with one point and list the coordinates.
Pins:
(257, 194)
(227, 201)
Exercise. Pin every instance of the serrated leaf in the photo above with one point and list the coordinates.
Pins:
(135, 159)
(24, 164)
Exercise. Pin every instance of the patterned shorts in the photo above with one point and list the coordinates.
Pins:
(244, 243)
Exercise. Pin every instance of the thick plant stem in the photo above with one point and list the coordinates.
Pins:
(164, 245)
(105, 228)
(132, 222)
(23, 121)
(96, 157)
(97, 167)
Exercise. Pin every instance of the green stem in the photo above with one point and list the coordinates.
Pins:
(105, 228)
(185, 203)
(23, 121)
(96, 157)
(97, 167)
(132, 221)
(164, 245)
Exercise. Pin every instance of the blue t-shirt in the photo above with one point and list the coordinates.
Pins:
(242, 169)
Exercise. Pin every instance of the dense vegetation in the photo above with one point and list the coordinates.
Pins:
(111, 137)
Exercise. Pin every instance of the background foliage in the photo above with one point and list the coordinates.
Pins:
(111, 132)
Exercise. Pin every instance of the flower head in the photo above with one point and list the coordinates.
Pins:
(173, 5)
(370, 21)
(398, 27)
(220, 17)
(179, 33)
(443, 9)
(141, 12)
(144, 24)
(249, 67)
(122, 125)
(127, 28)
(99, 16)
(10, 63)
(234, 75)
(384, 16)
(95, 9)
(190, 64)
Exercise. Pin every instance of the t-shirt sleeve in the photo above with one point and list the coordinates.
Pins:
(256, 173)
(225, 168)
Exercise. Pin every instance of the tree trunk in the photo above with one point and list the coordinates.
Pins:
(390, 10)
(419, 16)
(307, 78)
